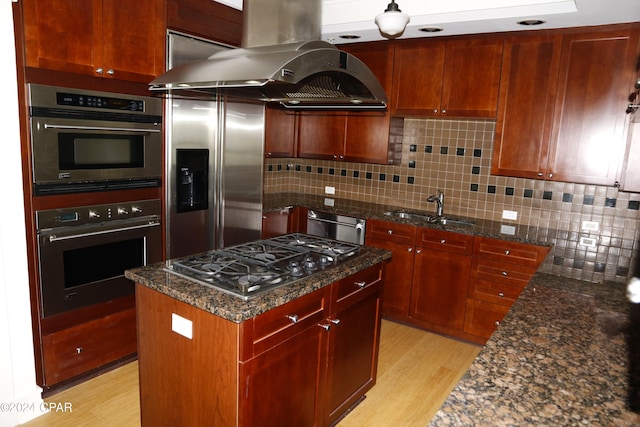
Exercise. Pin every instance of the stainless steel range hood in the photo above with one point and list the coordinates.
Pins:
(282, 60)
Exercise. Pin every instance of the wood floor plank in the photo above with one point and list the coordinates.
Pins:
(416, 372)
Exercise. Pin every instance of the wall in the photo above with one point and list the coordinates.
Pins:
(455, 156)
(17, 367)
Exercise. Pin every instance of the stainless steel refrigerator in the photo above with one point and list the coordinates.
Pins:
(214, 163)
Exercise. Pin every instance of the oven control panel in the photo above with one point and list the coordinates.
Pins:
(82, 215)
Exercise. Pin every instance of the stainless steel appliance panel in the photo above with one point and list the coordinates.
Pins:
(232, 133)
(337, 227)
(242, 171)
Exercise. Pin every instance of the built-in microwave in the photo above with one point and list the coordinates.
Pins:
(90, 141)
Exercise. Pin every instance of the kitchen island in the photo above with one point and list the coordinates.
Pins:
(561, 357)
(300, 354)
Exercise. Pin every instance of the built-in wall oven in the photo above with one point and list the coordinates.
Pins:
(91, 141)
(84, 251)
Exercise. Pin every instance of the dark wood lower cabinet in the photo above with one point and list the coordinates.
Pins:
(268, 370)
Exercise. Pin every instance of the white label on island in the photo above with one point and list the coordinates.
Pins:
(181, 326)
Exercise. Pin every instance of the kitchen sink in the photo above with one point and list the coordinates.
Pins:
(432, 219)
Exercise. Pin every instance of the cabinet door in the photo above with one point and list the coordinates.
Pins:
(132, 40)
(61, 34)
(353, 351)
(439, 289)
(367, 138)
(597, 73)
(279, 133)
(397, 289)
(321, 135)
(525, 111)
(472, 77)
(418, 72)
(279, 387)
(378, 56)
(275, 223)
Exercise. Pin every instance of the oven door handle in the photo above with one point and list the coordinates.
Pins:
(50, 126)
(54, 238)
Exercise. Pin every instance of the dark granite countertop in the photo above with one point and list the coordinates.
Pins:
(559, 358)
(500, 230)
(237, 310)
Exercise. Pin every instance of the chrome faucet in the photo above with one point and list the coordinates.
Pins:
(439, 199)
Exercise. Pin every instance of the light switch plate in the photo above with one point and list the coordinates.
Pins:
(589, 242)
(329, 190)
(328, 201)
(181, 326)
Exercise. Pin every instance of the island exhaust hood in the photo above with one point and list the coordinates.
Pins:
(282, 60)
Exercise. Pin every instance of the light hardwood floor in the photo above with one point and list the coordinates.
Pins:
(416, 372)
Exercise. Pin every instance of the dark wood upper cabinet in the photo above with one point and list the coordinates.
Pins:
(114, 39)
(207, 19)
(280, 132)
(562, 106)
(527, 96)
(597, 73)
(453, 78)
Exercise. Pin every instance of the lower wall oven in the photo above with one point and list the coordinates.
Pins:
(337, 227)
(84, 251)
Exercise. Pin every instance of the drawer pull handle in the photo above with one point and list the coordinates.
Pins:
(389, 231)
(443, 241)
(335, 321)
(361, 284)
(324, 326)
(504, 273)
(79, 350)
(507, 252)
(293, 318)
(501, 294)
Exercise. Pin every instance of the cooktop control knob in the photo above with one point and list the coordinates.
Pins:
(136, 210)
(123, 211)
(94, 214)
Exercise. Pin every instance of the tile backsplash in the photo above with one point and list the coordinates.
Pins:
(455, 157)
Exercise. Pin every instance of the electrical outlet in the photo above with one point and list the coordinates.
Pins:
(329, 190)
(509, 214)
(590, 225)
(507, 229)
(589, 242)
(328, 201)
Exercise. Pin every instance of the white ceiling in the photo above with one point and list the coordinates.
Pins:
(355, 17)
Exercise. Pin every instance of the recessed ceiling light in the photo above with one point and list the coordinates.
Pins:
(349, 36)
(529, 22)
(431, 29)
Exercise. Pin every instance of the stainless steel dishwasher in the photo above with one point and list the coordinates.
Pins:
(337, 227)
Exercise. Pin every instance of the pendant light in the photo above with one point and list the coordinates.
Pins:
(392, 22)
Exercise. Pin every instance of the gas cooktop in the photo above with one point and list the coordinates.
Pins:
(251, 269)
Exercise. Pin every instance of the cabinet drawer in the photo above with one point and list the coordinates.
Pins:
(500, 272)
(445, 241)
(399, 233)
(358, 282)
(482, 318)
(497, 293)
(76, 350)
(281, 323)
(511, 252)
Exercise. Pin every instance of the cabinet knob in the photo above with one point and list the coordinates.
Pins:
(435, 111)
(539, 173)
(99, 70)
(324, 326)
(501, 294)
(341, 156)
(335, 321)
(504, 273)
(507, 252)
(443, 241)
(410, 250)
(361, 284)
(444, 111)
(79, 350)
(335, 157)
(497, 323)
(268, 154)
(550, 175)
(110, 72)
(418, 251)
(293, 318)
(389, 231)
